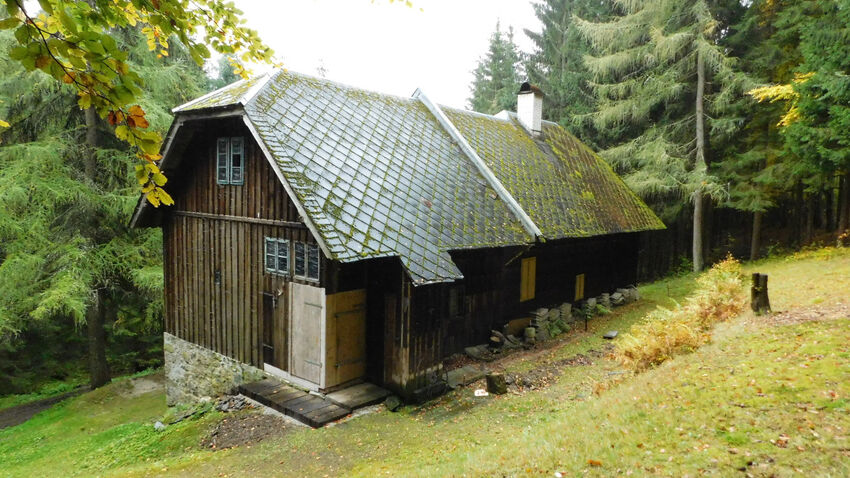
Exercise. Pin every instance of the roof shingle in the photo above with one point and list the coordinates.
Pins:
(378, 175)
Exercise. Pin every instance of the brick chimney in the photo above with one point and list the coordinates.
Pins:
(529, 108)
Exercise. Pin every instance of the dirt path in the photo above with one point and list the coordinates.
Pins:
(797, 315)
(20, 413)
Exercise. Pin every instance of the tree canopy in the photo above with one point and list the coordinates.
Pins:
(73, 42)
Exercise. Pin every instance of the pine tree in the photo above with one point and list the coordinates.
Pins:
(650, 74)
(821, 136)
(557, 64)
(816, 105)
(67, 187)
(497, 77)
(756, 165)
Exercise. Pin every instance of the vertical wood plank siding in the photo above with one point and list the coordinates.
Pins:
(224, 315)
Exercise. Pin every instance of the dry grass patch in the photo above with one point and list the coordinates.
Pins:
(664, 333)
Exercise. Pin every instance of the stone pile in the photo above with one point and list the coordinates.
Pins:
(546, 323)
(232, 403)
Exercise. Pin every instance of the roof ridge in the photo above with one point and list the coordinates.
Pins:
(338, 83)
(482, 167)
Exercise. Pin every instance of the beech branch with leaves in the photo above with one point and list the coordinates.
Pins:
(71, 41)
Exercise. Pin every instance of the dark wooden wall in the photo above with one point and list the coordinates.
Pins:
(214, 238)
(491, 284)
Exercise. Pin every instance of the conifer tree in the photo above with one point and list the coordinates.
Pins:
(497, 77)
(557, 63)
(821, 136)
(651, 69)
(67, 187)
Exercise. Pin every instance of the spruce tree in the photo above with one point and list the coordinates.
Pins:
(67, 189)
(651, 70)
(497, 76)
(557, 64)
(821, 136)
(758, 168)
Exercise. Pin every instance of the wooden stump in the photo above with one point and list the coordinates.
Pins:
(496, 384)
(759, 299)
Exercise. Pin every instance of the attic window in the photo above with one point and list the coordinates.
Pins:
(230, 160)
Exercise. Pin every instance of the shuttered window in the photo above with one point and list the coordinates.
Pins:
(579, 287)
(527, 279)
(306, 261)
(277, 256)
(230, 160)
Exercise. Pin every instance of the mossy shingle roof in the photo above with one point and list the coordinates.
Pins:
(379, 175)
(566, 188)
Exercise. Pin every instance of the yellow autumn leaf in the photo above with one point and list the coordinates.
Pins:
(4, 124)
(165, 197)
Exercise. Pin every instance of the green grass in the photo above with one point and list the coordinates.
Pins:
(49, 389)
(760, 398)
(97, 431)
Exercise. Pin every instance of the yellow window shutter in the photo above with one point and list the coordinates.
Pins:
(579, 287)
(528, 275)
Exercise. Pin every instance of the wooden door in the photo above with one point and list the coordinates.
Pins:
(346, 337)
(307, 332)
(275, 308)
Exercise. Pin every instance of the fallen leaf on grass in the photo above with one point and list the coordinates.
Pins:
(593, 462)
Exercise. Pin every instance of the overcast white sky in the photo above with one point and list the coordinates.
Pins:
(389, 48)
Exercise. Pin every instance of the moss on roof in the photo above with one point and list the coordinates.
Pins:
(566, 189)
(229, 95)
(378, 175)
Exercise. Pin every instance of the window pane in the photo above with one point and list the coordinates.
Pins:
(300, 269)
(271, 251)
(313, 261)
(222, 161)
(236, 157)
(283, 257)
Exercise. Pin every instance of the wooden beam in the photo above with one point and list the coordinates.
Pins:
(250, 220)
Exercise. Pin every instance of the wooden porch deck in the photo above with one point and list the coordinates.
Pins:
(308, 408)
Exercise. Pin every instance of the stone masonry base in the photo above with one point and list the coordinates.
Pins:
(193, 373)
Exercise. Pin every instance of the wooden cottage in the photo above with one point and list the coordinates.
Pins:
(327, 234)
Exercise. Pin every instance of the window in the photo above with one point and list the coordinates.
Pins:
(277, 256)
(579, 287)
(306, 261)
(230, 162)
(528, 275)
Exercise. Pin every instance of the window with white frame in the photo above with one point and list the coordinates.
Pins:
(306, 261)
(230, 162)
(277, 256)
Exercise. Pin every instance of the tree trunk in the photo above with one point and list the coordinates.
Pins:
(844, 204)
(755, 242)
(700, 166)
(797, 224)
(98, 366)
(827, 209)
(96, 313)
(92, 144)
(811, 205)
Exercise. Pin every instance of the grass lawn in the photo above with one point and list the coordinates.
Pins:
(768, 396)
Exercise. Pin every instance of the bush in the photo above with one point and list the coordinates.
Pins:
(664, 333)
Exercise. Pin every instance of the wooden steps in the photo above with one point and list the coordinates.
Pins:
(305, 407)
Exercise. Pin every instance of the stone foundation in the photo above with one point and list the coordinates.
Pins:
(193, 372)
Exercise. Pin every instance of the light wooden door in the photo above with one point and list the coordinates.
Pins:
(346, 337)
(307, 332)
